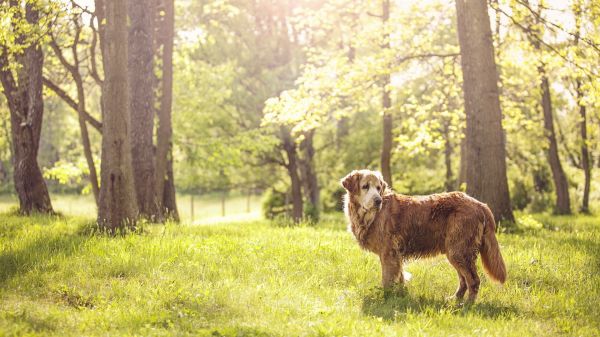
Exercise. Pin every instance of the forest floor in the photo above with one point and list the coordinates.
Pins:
(252, 278)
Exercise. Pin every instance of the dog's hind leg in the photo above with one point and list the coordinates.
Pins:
(468, 278)
(472, 278)
(462, 287)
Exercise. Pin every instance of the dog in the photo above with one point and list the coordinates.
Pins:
(398, 227)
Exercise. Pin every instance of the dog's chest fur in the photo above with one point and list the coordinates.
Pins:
(359, 222)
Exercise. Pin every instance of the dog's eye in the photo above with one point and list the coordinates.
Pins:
(366, 187)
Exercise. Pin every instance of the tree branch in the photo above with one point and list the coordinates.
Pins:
(426, 55)
(71, 102)
(526, 30)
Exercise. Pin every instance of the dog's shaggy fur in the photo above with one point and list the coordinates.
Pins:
(398, 227)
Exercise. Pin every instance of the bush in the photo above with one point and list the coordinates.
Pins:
(332, 198)
(273, 204)
(311, 212)
(520, 197)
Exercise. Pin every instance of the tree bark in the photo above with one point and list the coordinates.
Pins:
(386, 148)
(289, 147)
(448, 149)
(118, 205)
(585, 154)
(561, 186)
(486, 153)
(169, 201)
(141, 102)
(164, 182)
(462, 175)
(307, 170)
(26, 106)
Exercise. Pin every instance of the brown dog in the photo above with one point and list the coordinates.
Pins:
(398, 227)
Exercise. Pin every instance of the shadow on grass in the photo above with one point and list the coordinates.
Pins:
(590, 247)
(38, 253)
(392, 305)
(234, 332)
(29, 322)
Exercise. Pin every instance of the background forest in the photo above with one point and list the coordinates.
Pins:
(212, 135)
(284, 98)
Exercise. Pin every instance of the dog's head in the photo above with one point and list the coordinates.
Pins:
(366, 188)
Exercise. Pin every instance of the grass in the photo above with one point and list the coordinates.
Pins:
(256, 279)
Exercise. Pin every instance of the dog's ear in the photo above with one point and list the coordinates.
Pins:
(351, 181)
(384, 185)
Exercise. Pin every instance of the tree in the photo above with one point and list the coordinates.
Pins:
(585, 153)
(141, 102)
(79, 104)
(308, 174)
(25, 102)
(164, 178)
(561, 186)
(290, 148)
(118, 207)
(485, 144)
(386, 102)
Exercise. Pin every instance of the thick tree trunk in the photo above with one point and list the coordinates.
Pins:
(308, 174)
(289, 147)
(164, 183)
(585, 154)
(561, 186)
(141, 102)
(486, 153)
(26, 105)
(462, 175)
(118, 205)
(386, 148)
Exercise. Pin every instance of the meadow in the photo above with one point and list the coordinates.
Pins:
(58, 277)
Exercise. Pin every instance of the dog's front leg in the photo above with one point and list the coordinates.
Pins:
(391, 269)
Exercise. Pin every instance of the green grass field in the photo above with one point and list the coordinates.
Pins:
(57, 278)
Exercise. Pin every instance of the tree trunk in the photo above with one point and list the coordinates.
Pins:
(585, 155)
(462, 175)
(141, 103)
(118, 205)
(308, 174)
(386, 148)
(26, 105)
(85, 138)
(169, 203)
(164, 182)
(223, 197)
(563, 204)
(449, 183)
(289, 147)
(486, 153)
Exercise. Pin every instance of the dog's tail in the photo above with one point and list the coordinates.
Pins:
(493, 264)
